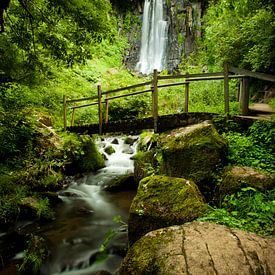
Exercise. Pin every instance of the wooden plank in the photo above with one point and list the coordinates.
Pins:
(214, 78)
(187, 75)
(82, 106)
(186, 97)
(73, 116)
(99, 110)
(155, 100)
(106, 109)
(134, 93)
(262, 76)
(226, 88)
(171, 84)
(127, 88)
(244, 101)
(65, 112)
(81, 99)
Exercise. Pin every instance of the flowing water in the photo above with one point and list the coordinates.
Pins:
(85, 219)
(154, 38)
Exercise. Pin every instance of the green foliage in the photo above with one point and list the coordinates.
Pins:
(44, 34)
(129, 108)
(254, 150)
(34, 255)
(240, 32)
(248, 210)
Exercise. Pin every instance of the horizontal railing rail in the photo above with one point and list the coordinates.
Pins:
(228, 73)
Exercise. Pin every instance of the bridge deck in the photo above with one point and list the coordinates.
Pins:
(137, 125)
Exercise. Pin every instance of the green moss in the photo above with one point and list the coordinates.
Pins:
(109, 150)
(141, 257)
(193, 153)
(163, 201)
(145, 165)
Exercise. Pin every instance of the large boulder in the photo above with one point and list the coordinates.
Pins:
(193, 152)
(200, 248)
(163, 201)
(235, 178)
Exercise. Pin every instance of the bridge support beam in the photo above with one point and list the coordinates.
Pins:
(65, 112)
(99, 94)
(155, 100)
(244, 100)
(226, 87)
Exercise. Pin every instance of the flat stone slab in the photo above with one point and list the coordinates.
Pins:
(200, 248)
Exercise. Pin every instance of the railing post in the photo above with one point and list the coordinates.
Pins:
(244, 97)
(155, 100)
(73, 115)
(99, 94)
(107, 109)
(226, 87)
(65, 112)
(186, 97)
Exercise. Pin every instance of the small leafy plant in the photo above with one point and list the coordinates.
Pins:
(248, 209)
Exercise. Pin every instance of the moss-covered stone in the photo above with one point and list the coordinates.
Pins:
(194, 152)
(144, 165)
(199, 248)
(162, 201)
(109, 150)
(121, 183)
(235, 178)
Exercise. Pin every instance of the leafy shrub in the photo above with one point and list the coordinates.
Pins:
(263, 133)
(244, 152)
(248, 210)
(34, 255)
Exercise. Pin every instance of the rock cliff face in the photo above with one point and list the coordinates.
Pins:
(200, 248)
(183, 19)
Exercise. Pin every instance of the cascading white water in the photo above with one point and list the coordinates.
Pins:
(86, 217)
(154, 38)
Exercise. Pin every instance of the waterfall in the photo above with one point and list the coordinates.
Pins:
(153, 39)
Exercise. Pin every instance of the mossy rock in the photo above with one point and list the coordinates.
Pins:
(144, 165)
(235, 178)
(109, 150)
(162, 201)
(200, 248)
(121, 183)
(195, 152)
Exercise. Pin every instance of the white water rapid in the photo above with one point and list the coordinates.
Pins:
(153, 39)
(86, 216)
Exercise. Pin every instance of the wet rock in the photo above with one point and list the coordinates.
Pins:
(235, 178)
(119, 244)
(124, 182)
(52, 197)
(128, 151)
(84, 211)
(163, 201)
(144, 164)
(200, 248)
(115, 141)
(109, 150)
(69, 194)
(130, 140)
(193, 152)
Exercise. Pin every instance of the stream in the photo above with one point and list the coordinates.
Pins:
(85, 220)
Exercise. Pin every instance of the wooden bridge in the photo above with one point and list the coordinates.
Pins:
(156, 122)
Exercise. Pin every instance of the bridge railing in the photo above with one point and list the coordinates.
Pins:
(103, 97)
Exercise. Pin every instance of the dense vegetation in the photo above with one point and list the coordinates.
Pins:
(47, 51)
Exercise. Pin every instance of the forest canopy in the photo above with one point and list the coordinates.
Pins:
(36, 32)
(240, 32)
